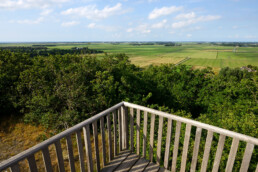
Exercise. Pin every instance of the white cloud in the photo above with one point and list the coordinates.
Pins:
(28, 4)
(159, 25)
(185, 23)
(91, 25)
(189, 35)
(129, 30)
(185, 16)
(91, 12)
(27, 21)
(157, 12)
(70, 23)
(46, 12)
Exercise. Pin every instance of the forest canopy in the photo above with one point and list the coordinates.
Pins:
(58, 91)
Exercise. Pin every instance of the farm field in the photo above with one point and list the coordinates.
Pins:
(201, 55)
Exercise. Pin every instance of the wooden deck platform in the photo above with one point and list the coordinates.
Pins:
(127, 161)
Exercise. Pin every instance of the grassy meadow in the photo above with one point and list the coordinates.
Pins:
(201, 55)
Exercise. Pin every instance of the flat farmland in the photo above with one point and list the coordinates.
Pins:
(201, 55)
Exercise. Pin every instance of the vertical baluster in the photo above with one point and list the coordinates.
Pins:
(47, 160)
(115, 132)
(80, 150)
(132, 128)
(168, 141)
(145, 122)
(32, 163)
(96, 143)
(138, 120)
(256, 168)
(86, 132)
(247, 157)
(185, 148)
(126, 127)
(103, 140)
(196, 148)
(109, 138)
(176, 143)
(15, 167)
(59, 155)
(232, 155)
(123, 126)
(218, 153)
(120, 129)
(152, 126)
(70, 152)
(206, 153)
(159, 139)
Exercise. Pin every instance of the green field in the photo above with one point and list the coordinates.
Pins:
(201, 55)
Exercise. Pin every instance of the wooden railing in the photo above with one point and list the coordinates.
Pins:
(126, 126)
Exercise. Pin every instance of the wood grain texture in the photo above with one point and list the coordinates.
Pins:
(185, 147)
(232, 155)
(196, 148)
(138, 124)
(86, 132)
(59, 155)
(159, 139)
(247, 157)
(168, 141)
(206, 153)
(218, 153)
(132, 129)
(69, 145)
(152, 126)
(80, 150)
(96, 144)
(145, 123)
(176, 144)
(47, 160)
(103, 141)
(110, 154)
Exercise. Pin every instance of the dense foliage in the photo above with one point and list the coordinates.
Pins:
(58, 91)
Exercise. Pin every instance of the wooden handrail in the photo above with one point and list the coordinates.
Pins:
(114, 124)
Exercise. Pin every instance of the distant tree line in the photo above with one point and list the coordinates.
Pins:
(44, 51)
(233, 44)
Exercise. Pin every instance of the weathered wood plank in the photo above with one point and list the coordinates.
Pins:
(59, 155)
(185, 148)
(115, 132)
(96, 143)
(232, 155)
(80, 150)
(120, 129)
(140, 165)
(196, 148)
(176, 143)
(206, 153)
(152, 136)
(123, 127)
(132, 128)
(15, 168)
(247, 157)
(168, 141)
(32, 163)
(70, 152)
(87, 142)
(159, 139)
(103, 140)
(256, 168)
(152, 167)
(145, 123)
(138, 123)
(218, 153)
(110, 154)
(116, 161)
(47, 160)
(127, 163)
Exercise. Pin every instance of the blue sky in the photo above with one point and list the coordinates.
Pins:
(128, 20)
